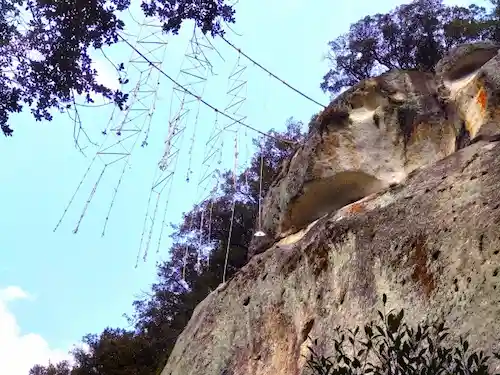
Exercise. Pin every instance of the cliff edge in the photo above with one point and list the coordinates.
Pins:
(376, 133)
(396, 190)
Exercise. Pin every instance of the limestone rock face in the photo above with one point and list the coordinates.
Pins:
(470, 81)
(396, 190)
(376, 133)
(432, 244)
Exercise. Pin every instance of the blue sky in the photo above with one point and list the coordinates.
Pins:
(56, 287)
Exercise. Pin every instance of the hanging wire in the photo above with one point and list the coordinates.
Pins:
(115, 192)
(152, 111)
(259, 232)
(106, 135)
(161, 181)
(189, 92)
(77, 123)
(89, 200)
(194, 72)
(186, 249)
(210, 228)
(273, 75)
(233, 206)
(229, 239)
(109, 151)
(152, 218)
(146, 217)
(126, 164)
(105, 150)
(164, 219)
(200, 244)
(207, 245)
(248, 157)
(191, 146)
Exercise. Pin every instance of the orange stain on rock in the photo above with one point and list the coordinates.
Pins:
(355, 208)
(482, 99)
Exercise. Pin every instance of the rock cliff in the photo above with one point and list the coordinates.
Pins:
(377, 132)
(396, 190)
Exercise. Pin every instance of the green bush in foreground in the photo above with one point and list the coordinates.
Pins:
(392, 347)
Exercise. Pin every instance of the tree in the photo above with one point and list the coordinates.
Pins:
(44, 61)
(45, 48)
(165, 312)
(412, 36)
(207, 14)
(114, 352)
(161, 315)
(61, 368)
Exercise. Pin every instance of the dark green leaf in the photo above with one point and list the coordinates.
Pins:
(368, 331)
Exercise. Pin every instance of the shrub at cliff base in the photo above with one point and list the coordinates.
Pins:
(392, 347)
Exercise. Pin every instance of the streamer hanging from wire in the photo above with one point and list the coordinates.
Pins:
(202, 100)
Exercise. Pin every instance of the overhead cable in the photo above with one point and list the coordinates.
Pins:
(272, 74)
(187, 91)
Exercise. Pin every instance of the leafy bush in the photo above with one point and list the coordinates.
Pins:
(392, 347)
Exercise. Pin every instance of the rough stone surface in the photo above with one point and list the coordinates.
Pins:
(431, 244)
(465, 59)
(377, 132)
(394, 191)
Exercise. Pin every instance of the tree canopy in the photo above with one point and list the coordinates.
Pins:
(207, 14)
(160, 315)
(412, 36)
(45, 47)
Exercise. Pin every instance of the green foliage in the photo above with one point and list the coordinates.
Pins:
(390, 346)
(162, 314)
(45, 48)
(412, 36)
(114, 352)
(44, 56)
(62, 368)
(165, 311)
(207, 14)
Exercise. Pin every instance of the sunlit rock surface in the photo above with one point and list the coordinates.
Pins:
(376, 133)
(432, 244)
(470, 75)
(396, 190)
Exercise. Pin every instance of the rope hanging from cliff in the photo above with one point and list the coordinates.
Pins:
(200, 244)
(259, 232)
(186, 250)
(210, 229)
(235, 169)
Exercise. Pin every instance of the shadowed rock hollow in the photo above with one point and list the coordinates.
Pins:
(432, 245)
(396, 190)
(376, 133)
